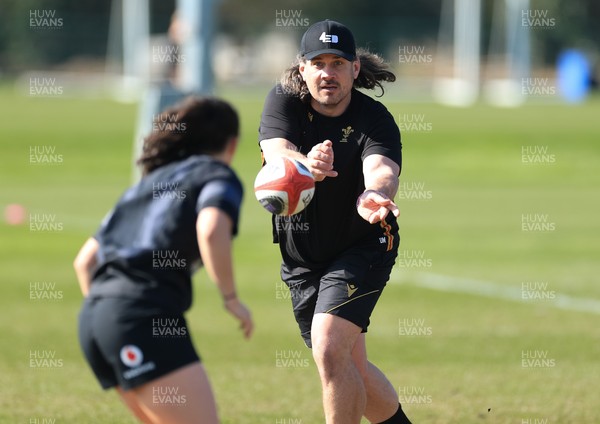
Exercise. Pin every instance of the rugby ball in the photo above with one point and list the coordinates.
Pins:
(284, 186)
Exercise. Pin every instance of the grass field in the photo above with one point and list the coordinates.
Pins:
(499, 210)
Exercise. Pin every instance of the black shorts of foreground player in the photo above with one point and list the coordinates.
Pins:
(338, 261)
(135, 273)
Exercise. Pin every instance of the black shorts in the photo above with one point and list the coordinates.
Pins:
(349, 287)
(129, 343)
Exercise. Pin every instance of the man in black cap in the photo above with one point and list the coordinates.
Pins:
(338, 261)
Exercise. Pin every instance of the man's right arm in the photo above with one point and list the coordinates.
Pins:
(319, 160)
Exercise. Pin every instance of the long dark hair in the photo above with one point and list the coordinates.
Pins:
(197, 125)
(373, 71)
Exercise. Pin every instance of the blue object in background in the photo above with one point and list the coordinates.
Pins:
(574, 75)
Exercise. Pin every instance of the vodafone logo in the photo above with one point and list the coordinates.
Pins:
(131, 355)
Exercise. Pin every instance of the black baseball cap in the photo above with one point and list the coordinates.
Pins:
(328, 37)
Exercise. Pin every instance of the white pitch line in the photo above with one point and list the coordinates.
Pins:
(494, 290)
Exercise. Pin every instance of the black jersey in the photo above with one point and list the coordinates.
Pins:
(148, 242)
(330, 224)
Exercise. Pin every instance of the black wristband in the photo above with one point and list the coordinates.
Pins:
(230, 296)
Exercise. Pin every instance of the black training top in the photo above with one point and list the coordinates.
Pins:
(148, 242)
(330, 224)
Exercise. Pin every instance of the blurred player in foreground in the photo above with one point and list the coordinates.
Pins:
(338, 252)
(135, 273)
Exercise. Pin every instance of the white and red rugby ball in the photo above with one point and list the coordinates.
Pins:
(284, 186)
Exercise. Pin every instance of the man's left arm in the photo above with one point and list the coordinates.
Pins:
(85, 263)
(381, 184)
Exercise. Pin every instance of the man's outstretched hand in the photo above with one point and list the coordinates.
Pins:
(373, 206)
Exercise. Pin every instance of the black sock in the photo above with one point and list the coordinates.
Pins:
(398, 418)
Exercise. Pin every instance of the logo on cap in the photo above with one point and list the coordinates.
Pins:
(328, 38)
